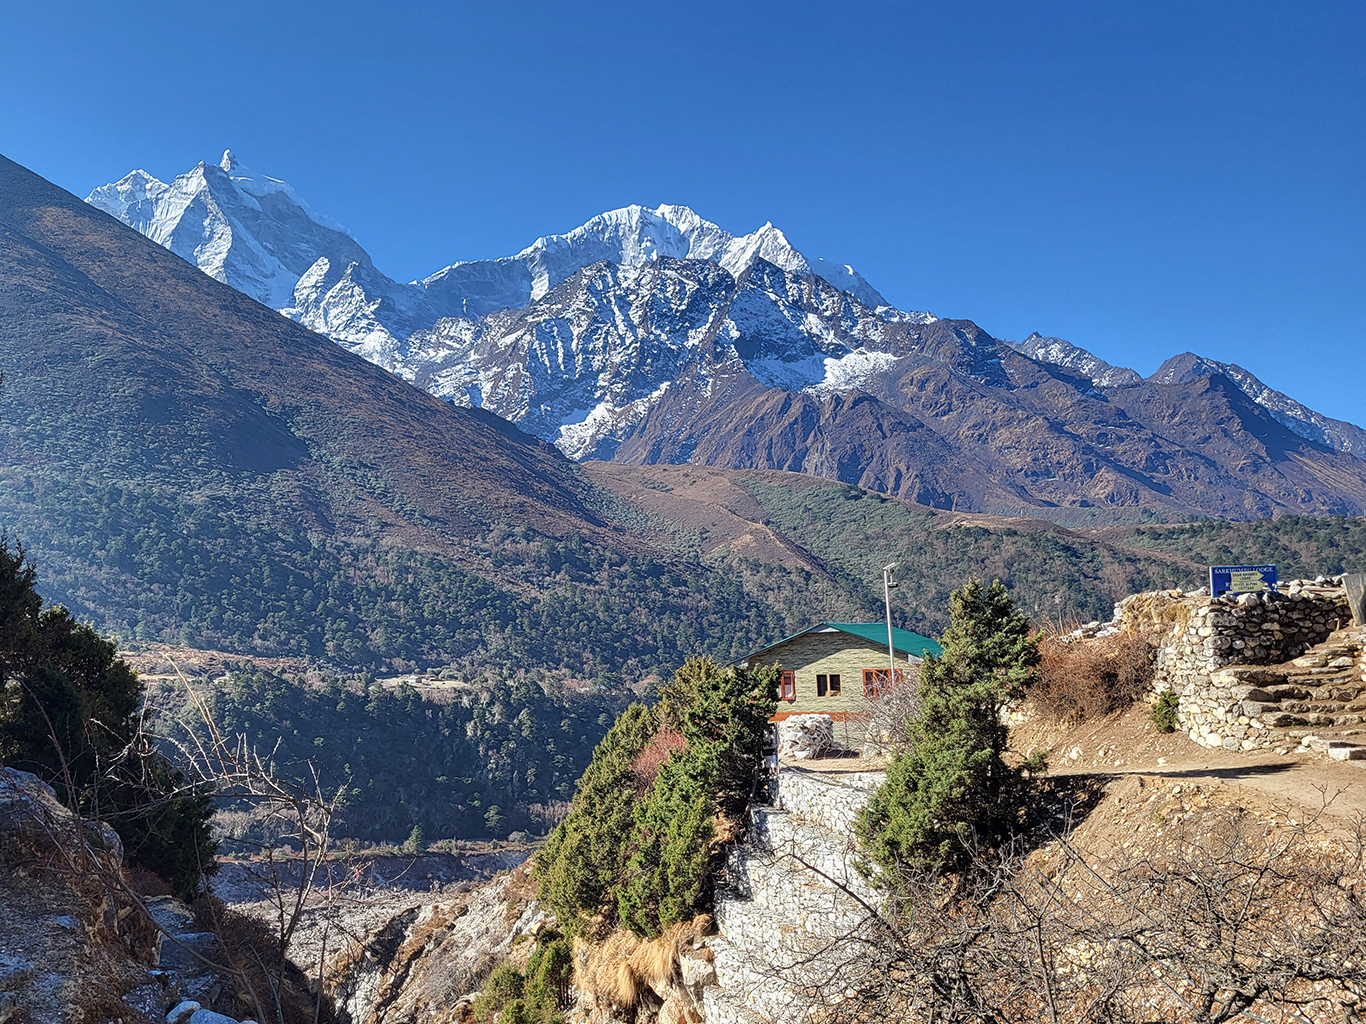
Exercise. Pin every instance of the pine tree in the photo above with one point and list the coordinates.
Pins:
(666, 875)
(949, 795)
(583, 858)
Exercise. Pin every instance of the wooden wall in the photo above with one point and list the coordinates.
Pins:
(827, 653)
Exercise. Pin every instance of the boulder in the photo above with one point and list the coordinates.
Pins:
(33, 822)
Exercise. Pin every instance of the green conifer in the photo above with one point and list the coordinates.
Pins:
(949, 795)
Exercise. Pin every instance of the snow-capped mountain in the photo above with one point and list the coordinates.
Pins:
(1298, 418)
(256, 234)
(1057, 352)
(594, 354)
(242, 228)
(652, 335)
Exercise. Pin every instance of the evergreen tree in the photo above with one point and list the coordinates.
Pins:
(949, 794)
(583, 858)
(729, 712)
(667, 873)
(69, 713)
(639, 850)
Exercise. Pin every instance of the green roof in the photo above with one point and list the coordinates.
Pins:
(903, 640)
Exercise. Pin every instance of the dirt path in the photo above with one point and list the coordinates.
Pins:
(1266, 782)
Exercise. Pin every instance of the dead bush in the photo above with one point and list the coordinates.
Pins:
(1081, 679)
(252, 949)
(661, 747)
(550, 813)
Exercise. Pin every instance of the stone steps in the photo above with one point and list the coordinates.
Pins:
(1317, 694)
(1337, 749)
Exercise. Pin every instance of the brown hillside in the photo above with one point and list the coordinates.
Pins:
(121, 358)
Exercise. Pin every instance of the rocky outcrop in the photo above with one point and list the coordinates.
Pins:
(36, 826)
(74, 943)
(431, 957)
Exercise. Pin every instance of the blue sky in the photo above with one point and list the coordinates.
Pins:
(1139, 178)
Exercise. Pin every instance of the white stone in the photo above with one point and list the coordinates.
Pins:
(181, 1011)
(805, 736)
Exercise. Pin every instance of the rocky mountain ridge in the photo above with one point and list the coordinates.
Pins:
(652, 336)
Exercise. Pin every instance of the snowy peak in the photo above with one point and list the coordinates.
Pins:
(257, 234)
(245, 229)
(132, 199)
(1056, 352)
(637, 234)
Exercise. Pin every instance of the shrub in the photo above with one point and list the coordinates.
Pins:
(949, 793)
(534, 997)
(548, 974)
(416, 842)
(1164, 711)
(1085, 679)
(729, 712)
(502, 986)
(637, 844)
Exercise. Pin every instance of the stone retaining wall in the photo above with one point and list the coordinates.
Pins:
(785, 898)
(1247, 630)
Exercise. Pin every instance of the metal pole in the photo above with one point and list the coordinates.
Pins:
(887, 586)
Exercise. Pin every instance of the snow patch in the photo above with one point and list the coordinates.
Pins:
(578, 439)
(852, 372)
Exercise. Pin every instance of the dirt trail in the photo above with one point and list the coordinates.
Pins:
(1265, 782)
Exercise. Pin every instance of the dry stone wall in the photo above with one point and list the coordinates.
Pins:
(1209, 657)
(785, 897)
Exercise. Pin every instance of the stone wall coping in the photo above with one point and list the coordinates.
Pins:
(850, 780)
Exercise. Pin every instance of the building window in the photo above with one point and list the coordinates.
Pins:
(875, 681)
(787, 687)
(822, 685)
(835, 685)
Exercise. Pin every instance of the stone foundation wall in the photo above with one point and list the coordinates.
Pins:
(785, 898)
(1247, 630)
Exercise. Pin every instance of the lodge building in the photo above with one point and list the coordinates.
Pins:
(836, 668)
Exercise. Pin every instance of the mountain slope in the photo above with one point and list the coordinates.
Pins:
(654, 336)
(184, 463)
(1186, 368)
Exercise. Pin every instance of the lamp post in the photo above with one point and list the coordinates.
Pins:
(887, 585)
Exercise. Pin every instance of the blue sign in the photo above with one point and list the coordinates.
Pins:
(1241, 579)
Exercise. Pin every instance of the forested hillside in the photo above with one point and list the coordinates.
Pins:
(484, 760)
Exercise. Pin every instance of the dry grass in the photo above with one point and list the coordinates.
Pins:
(1085, 679)
(1156, 614)
(614, 974)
